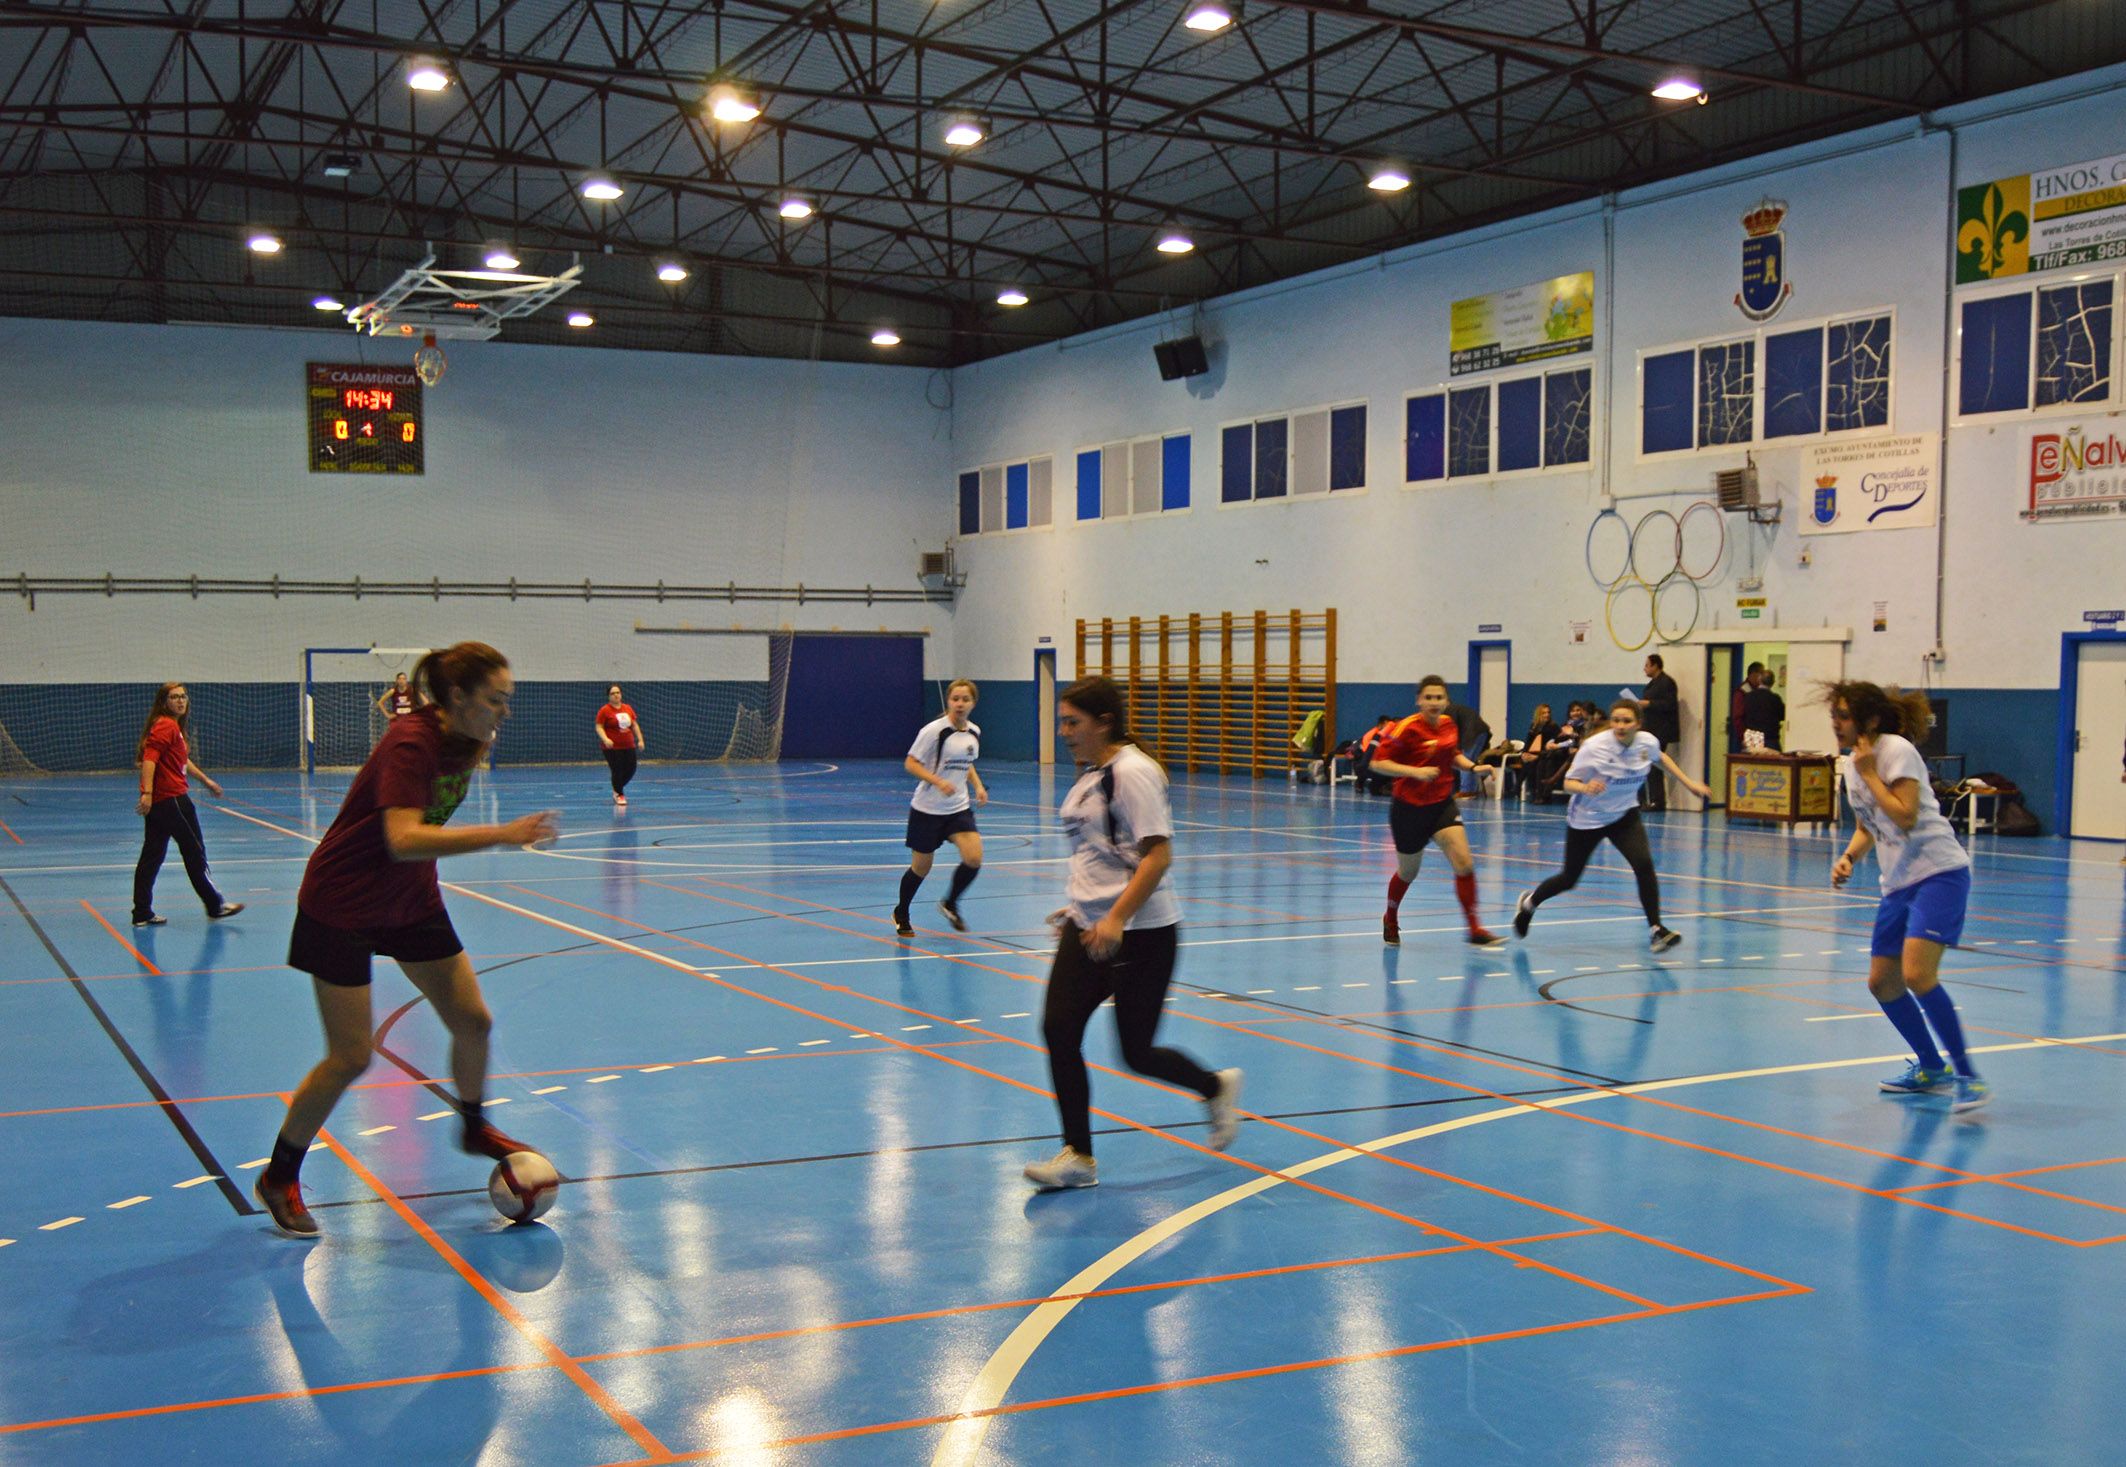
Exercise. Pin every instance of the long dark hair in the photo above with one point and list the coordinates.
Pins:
(1880, 710)
(1099, 698)
(160, 710)
(465, 667)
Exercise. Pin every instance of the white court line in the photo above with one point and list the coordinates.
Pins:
(600, 1079)
(962, 1442)
(7, 1242)
(436, 1115)
(652, 1069)
(53, 1227)
(250, 1166)
(376, 1130)
(808, 1043)
(771, 1049)
(128, 1202)
(194, 1182)
(549, 1089)
(1834, 1018)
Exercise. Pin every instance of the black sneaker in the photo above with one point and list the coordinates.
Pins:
(151, 920)
(1661, 939)
(1523, 913)
(1480, 937)
(952, 915)
(901, 924)
(485, 1140)
(227, 909)
(283, 1202)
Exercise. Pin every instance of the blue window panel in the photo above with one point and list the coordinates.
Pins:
(1468, 432)
(1727, 393)
(1857, 375)
(1236, 473)
(1568, 417)
(1272, 435)
(1088, 485)
(1994, 374)
(970, 503)
(2074, 343)
(1665, 384)
(1015, 497)
(1425, 438)
(1521, 424)
(1793, 383)
(1347, 448)
(1173, 472)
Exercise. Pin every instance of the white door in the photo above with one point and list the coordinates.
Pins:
(1687, 665)
(1044, 712)
(1492, 687)
(1809, 665)
(2099, 807)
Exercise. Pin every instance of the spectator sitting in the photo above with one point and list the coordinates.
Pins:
(1362, 759)
(1550, 769)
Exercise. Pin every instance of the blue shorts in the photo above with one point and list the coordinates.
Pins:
(1932, 910)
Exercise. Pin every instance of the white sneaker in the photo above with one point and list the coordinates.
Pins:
(1068, 1168)
(1225, 1110)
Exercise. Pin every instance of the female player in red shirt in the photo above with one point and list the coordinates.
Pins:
(1422, 754)
(620, 734)
(370, 887)
(165, 759)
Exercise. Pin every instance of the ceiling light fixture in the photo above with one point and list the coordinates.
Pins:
(885, 336)
(426, 76)
(794, 210)
(671, 273)
(264, 244)
(1680, 89)
(1173, 242)
(965, 132)
(501, 259)
(326, 303)
(340, 165)
(604, 190)
(728, 104)
(1208, 17)
(581, 319)
(1388, 181)
(1011, 295)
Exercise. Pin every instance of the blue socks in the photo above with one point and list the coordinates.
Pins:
(1911, 1022)
(1941, 1013)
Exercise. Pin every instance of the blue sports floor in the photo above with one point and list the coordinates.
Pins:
(1557, 1204)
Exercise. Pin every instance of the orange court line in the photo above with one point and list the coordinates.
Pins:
(554, 1355)
(18, 840)
(1137, 1125)
(1229, 1377)
(850, 1324)
(119, 938)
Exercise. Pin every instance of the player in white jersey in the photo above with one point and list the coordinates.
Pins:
(943, 757)
(1926, 882)
(1605, 779)
(1120, 932)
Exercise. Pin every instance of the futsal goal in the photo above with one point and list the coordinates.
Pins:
(340, 701)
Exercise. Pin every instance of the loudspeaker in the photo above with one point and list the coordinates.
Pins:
(1181, 358)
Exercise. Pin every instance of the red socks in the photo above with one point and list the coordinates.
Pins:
(1396, 887)
(1465, 893)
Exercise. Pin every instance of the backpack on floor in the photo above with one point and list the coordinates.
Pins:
(2011, 816)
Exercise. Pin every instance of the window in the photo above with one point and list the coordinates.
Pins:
(1142, 476)
(2048, 347)
(1802, 381)
(1013, 496)
(1508, 425)
(1316, 452)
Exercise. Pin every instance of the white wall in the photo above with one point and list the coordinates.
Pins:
(144, 451)
(1415, 571)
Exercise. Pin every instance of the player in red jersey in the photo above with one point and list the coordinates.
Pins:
(165, 759)
(1422, 754)
(620, 735)
(371, 887)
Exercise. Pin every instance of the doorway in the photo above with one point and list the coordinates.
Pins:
(2093, 696)
(1044, 703)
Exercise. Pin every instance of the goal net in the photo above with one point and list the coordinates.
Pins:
(341, 708)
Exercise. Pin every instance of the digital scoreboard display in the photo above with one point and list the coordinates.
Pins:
(365, 420)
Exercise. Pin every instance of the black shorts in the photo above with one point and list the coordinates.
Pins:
(340, 957)
(1413, 826)
(927, 832)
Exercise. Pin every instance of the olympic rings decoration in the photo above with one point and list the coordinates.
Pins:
(1653, 558)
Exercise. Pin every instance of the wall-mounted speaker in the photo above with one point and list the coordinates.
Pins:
(1181, 358)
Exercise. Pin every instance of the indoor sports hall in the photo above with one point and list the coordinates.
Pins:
(812, 417)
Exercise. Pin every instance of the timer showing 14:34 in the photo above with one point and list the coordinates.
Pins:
(365, 420)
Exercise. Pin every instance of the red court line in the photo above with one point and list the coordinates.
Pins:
(621, 1418)
(1138, 1125)
(918, 1316)
(18, 840)
(1228, 1377)
(119, 938)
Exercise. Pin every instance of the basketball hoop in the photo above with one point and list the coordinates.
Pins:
(429, 363)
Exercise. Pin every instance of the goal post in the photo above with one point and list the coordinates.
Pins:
(338, 708)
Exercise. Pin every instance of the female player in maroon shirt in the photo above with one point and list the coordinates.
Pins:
(1422, 753)
(165, 759)
(370, 887)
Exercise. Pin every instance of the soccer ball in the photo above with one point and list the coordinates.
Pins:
(523, 1186)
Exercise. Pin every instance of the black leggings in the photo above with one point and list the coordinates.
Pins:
(1629, 837)
(622, 763)
(1136, 978)
(168, 820)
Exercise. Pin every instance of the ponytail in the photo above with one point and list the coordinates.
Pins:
(464, 668)
(1882, 710)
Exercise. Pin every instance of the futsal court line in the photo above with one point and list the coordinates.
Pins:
(955, 1311)
(119, 938)
(18, 840)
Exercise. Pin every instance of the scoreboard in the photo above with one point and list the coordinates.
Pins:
(365, 419)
